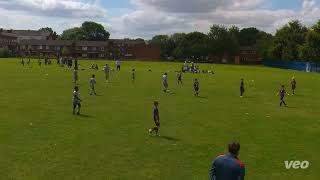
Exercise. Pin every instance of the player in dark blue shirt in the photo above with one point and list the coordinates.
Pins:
(156, 119)
(242, 88)
(293, 86)
(196, 87)
(282, 94)
(228, 167)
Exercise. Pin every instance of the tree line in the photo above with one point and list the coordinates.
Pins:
(293, 41)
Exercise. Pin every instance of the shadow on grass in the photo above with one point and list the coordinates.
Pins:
(169, 138)
(249, 97)
(291, 107)
(86, 116)
(203, 97)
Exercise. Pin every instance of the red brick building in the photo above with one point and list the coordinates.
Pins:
(8, 41)
(248, 55)
(128, 49)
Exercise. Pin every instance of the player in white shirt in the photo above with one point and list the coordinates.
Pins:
(106, 70)
(92, 84)
(118, 64)
(165, 82)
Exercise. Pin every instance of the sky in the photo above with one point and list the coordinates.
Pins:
(146, 18)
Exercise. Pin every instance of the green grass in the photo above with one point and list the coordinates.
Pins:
(41, 140)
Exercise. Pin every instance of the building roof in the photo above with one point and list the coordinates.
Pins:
(127, 41)
(29, 32)
(63, 43)
(8, 35)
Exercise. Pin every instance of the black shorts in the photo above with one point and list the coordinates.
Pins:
(157, 123)
(76, 104)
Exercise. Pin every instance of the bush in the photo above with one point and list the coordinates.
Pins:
(5, 53)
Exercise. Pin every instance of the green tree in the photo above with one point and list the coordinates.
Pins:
(288, 40)
(310, 50)
(89, 31)
(180, 44)
(197, 45)
(53, 34)
(73, 34)
(94, 31)
(223, 41)
(166, 44)
(248, 36)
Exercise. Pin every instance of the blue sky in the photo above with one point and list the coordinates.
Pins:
(146, 18)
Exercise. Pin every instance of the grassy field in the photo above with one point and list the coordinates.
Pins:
(40, 139)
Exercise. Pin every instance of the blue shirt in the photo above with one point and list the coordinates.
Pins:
(227, 167)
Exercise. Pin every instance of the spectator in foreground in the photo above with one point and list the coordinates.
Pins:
(228, 167)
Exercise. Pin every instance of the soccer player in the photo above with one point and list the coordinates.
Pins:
(242, 88)
(282, 94)
(92, 84)
(76, 65)
(22, 61)
(106, 70)
(118, 64)
(156, 119)
(196, 87)
(228, 167)
(165, 82)
(293, 85)
(133, 75)
(179, 77)
(76, 100)
(29, 60)
(75, 76)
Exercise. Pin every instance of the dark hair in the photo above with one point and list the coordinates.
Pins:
(93, 75)
(156, 103)
(76, 88)
(234, 148)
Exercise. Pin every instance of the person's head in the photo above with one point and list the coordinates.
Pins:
(241, 79)
(93, 76)
(76, 88)
(165, 73)
(282, 86)
(133, 70)
(106, 64)
(156, 103)
(234, 148)
(196, 80)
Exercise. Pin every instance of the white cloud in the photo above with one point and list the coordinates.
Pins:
(56, 8)
(150, 17)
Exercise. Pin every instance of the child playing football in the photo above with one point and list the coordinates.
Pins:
(156, 119)
(196, 87)
(179, 77)
(106, 70)
(293, 86)
(76, 100)
(75, 76)
(165, 82)
(133, 75)
(282, 94)
(92, 84)
(241, 88)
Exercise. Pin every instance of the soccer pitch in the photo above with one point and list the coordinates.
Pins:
(41, 139)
